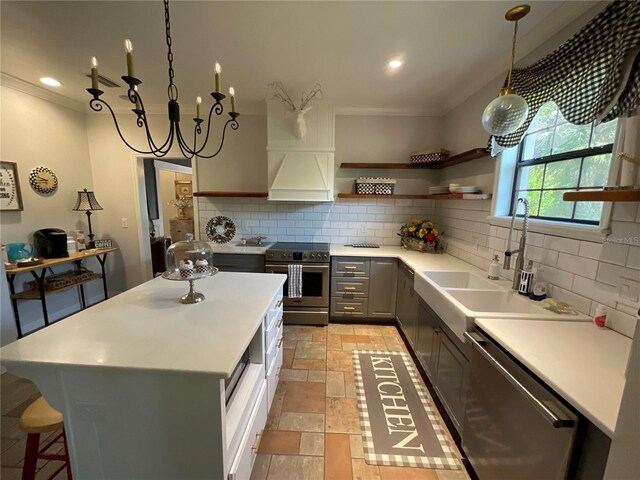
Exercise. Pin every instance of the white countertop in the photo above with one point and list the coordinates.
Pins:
(582, 363)
(413, 259)
(235, 247)
(148, 328)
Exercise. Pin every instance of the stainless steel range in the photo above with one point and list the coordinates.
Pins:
(313, 307)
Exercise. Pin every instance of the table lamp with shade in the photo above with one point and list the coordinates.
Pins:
(87, 202)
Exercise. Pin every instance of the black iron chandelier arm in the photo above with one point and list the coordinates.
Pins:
(234, 126)
(142, 122)
(218, 109)
(96, 105)
(184, 147)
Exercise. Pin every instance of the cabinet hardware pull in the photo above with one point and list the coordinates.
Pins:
(349, 288)
(350, 267)
(278, 372)
(280, 342)
(256, 445)
(348, 308)
(279, 304)
(280, 323)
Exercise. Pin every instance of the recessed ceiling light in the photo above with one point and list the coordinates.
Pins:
(394, 63)
(52, 82)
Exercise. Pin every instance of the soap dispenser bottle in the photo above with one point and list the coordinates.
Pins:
(494, 268)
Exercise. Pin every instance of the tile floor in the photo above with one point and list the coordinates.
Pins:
(313, 429)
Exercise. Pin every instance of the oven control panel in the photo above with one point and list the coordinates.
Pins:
(297, 256)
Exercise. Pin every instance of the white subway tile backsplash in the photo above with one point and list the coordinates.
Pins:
(558, 277)
(624, 211)
(597, 291)
(560, 244)
(574, 264)
(611, 274)
(633, 257)
(582, 281)
(614, 253)
(543, 256)
(590, 250)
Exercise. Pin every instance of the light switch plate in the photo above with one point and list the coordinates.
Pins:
(628, 291)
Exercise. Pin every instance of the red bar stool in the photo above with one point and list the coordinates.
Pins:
(40, 417)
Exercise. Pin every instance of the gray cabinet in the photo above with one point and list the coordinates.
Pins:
(363, 287)
(239, 262)
(382, 287)
(443, 357)
(427, 340)
(407, 304)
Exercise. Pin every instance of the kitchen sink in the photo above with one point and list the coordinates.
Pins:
(460, 280)
(460, 297)
(498, 301)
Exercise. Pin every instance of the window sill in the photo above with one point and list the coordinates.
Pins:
(591, 233)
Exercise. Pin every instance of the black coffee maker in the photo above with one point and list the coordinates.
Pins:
(51, 243)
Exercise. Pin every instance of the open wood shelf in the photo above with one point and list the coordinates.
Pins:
(34, 294)
(232, 194)
(449, 196)
(455, 160)
(394, 166)
(603, 196)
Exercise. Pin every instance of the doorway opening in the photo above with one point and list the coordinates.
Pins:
(168, 203)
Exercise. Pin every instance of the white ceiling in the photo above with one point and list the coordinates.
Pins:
(452, 48)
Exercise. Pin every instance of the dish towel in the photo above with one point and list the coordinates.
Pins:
(295, 281)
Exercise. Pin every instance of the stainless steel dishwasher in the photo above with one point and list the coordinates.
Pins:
(514, 427)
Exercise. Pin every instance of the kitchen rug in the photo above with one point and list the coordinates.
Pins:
(399, 422)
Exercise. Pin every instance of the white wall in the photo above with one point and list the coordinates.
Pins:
(39, 132)
(384, 139)
(242, 163)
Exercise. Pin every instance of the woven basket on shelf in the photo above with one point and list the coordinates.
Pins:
(429, 156)
(374, 186)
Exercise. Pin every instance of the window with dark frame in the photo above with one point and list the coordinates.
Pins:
(555, 157)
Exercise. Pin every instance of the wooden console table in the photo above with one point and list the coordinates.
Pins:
(40, 293)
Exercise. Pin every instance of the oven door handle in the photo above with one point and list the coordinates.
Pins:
(284, 268)
(544, 409)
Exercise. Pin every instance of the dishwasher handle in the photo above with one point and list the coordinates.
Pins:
(545, 408)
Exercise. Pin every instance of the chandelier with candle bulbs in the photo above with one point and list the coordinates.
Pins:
(175, 133)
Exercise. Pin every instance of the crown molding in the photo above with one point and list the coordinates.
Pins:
(386, 112)
(37, 91)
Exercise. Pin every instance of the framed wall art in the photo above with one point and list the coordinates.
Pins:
(184, 189)
(10, 195)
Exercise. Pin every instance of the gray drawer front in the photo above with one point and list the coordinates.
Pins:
(239, 262)
(349, 287)
(341, 307)
(350, 266)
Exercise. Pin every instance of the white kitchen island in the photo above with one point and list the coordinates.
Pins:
(140, 378)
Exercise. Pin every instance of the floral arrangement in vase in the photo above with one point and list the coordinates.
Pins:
(182, 204)
(420, 235)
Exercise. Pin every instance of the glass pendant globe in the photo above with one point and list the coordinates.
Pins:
(505, 115)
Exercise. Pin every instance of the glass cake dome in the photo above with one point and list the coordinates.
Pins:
(189, 260)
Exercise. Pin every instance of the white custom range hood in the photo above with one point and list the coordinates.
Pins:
(300, 169)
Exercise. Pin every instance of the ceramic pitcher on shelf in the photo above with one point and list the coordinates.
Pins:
(19, 251)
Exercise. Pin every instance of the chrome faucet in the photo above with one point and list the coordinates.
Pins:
(523, 243)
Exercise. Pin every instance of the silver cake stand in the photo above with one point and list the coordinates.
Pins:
(192, 296)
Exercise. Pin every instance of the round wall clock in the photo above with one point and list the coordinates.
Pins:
(43, 180)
